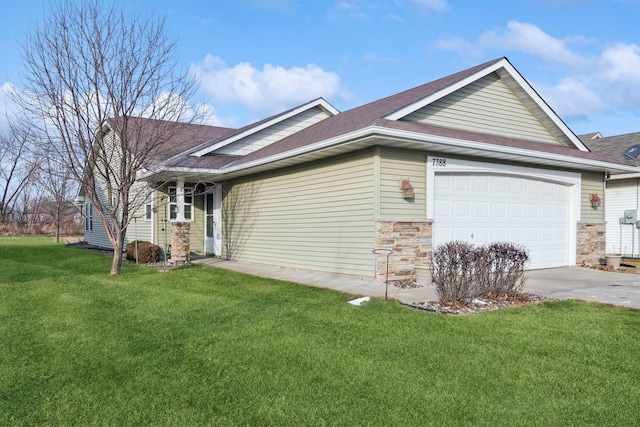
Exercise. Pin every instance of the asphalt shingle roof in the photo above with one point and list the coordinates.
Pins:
(612, 146)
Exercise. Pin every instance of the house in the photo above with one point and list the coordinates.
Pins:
(622, 192)
(475, 156)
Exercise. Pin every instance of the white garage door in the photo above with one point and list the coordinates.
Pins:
(484, 208)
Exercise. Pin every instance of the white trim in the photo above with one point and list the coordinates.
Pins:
(572, 179)
(462, 146)
(377, 131)
(217, 220)
(623, 176)
(408, 109)
(320, 102)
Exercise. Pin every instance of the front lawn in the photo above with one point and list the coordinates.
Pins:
(204, 346)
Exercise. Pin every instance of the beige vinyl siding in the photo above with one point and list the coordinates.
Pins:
(395, 166)
(592, 182)
(98, 236)
(274, 133)
(487, 106)
(318, 216)
(197, 224)
(139, 228)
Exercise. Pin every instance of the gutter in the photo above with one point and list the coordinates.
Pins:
(424, 140)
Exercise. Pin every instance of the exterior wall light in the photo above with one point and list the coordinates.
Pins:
(407, 189)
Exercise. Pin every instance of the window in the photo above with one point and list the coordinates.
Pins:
(148, 204)
(173, 203)
(88, 218)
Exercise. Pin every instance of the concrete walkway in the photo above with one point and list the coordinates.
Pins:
(562, 283)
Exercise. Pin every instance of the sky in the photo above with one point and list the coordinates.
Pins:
(255, 58)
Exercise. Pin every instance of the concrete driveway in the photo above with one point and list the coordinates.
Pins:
(562, 283)
(586, 284)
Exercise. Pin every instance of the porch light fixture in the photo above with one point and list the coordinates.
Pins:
(407, 189)
(595, 200)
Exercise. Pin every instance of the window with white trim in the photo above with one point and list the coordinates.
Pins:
(148, 204)
(173, 203)
(88, 216)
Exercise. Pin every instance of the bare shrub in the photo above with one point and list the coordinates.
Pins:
(462, 271)
(146, 252)
(453, 272)
(503, 269)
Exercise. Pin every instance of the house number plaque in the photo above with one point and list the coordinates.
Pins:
(439, 161)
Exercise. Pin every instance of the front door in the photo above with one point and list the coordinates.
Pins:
(212, 222)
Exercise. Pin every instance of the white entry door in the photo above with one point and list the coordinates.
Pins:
(484, 207)
(212, 223)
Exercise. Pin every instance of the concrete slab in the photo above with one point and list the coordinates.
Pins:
(562, 283)
(586, 284)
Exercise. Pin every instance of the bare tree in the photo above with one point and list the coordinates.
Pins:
(92, 71)
(16, 169)
(59, 188)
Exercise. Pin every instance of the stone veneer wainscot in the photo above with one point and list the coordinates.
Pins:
(411, 243)
(591, 243)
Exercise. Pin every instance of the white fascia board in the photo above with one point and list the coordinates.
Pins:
(321, 145)
(180, 171)
(377, 131)
(624, 176)
(397, 115)
(320, 102)
(519, 152)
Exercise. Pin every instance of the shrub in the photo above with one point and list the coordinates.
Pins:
(147, 252)
(502, 270)
(462, 271)
(453, 268)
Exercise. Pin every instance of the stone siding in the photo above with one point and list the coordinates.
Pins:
(411, 246)
(180, 242)
(591, 243)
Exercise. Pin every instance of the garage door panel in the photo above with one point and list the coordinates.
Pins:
(486, 208)
(461, 209)
(499, 209)
(461, 183)
(481, 209)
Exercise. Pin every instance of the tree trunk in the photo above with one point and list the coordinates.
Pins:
(116, 265)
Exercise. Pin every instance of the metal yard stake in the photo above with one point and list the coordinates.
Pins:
(386, 280)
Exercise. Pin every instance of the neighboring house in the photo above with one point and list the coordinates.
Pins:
(476, 156)
(622, 193)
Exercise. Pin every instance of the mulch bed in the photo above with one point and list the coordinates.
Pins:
(478, 305)
(481, 305)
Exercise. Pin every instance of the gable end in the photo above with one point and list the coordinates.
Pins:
(488, 105)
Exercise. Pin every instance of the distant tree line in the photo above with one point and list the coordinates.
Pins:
(37, 191)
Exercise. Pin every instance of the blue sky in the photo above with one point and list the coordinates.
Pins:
(257, 57)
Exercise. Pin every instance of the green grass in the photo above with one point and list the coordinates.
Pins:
(204, 346)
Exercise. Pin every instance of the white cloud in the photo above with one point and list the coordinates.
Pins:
(8, 107)
(572, 98)
(618, 72)
(530, 39)
(589, 85)
(436, 5)
(267, 90)
(459, 45)
(350, 9)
